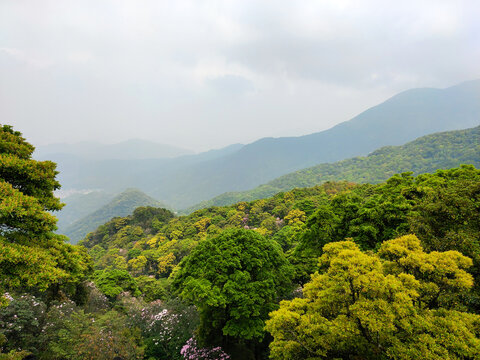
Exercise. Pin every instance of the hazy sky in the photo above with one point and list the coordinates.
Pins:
(204, 74)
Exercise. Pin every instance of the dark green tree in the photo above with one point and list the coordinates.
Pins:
(235, 279)
(447, 216)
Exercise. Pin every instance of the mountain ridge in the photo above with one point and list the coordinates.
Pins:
(185, 181)
(256, 163)
(397, 159)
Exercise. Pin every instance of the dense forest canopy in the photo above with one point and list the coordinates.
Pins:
(339, 270)
(441, 208)
(400, 303)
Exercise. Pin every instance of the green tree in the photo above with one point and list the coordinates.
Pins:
(31, 255)
(399, 304)
(152, 289)
(113, 282)
(369, 215)
(235, 279)
(446, 216)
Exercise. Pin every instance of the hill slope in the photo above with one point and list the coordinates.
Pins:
(121, 205)
(79, 205)
(402, 118)
(426, 154)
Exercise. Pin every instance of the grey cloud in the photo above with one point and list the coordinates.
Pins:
(205, 74)
(231, 84)
(381, 48)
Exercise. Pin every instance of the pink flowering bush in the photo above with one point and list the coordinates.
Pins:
(21, 323)
(191, 351)
(165, 326)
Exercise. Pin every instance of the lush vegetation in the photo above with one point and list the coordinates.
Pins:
(426, 154)
(398, 303)
(203, 259)
(234, 279)
(340, 270)
(32, 257)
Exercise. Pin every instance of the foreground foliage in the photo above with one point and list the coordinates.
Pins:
(441, 208)
(31, 255)
(401, 303)
(365, 296)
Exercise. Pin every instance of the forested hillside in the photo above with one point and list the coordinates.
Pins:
(239, 180)
(148, 247)
(426, 154)
(339, 270)
(185, 181)
(121, 205)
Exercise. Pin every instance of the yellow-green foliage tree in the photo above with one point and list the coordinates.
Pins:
(31, 255)
(401, 303)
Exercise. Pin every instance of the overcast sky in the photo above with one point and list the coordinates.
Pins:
(205, 74)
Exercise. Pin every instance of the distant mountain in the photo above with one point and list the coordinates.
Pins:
(80, 174)
(437, 151)
(216, 153)
(80, 205)
(400, 119)
(133, 149)
(121, 205)
(187, 180)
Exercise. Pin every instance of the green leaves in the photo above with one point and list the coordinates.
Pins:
(114, 282)
(12, 142)
(30, 254)
(443, 275)
(237, 275)
(386, 306)
(22, 213)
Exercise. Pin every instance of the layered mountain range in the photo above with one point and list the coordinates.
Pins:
(190, 181)
(426, 154)
(186, 180)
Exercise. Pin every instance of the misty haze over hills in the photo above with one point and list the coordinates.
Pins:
(442, 150)
(183, 181)
(133, 149)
